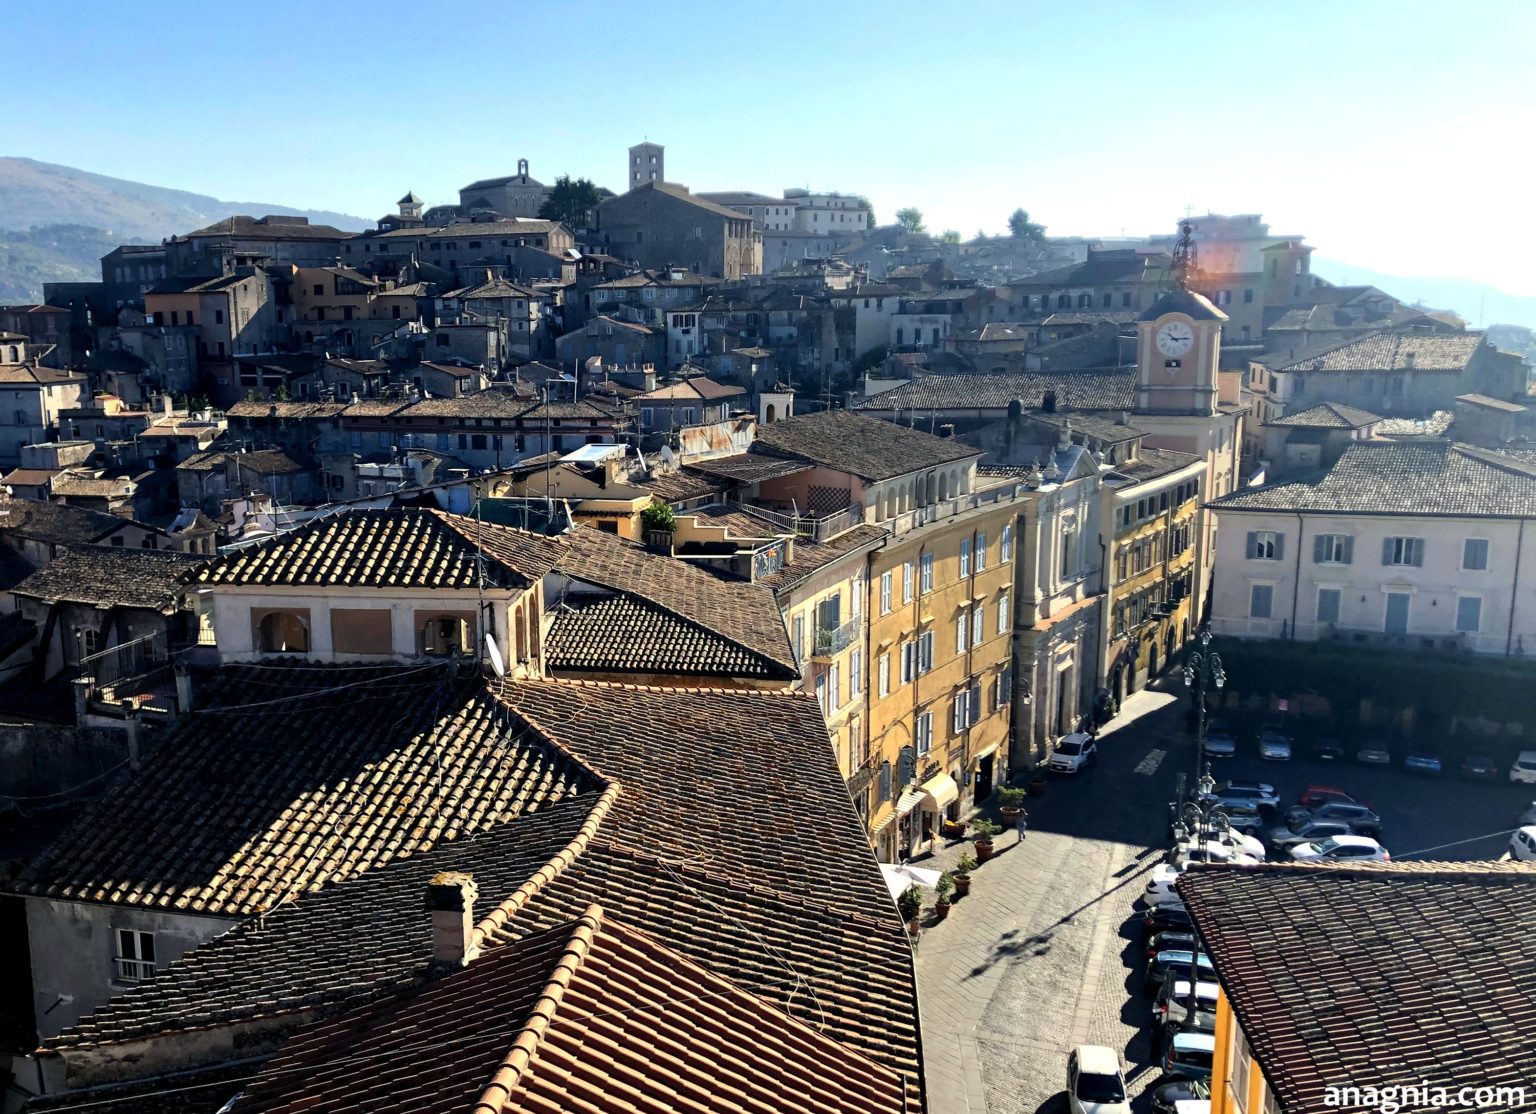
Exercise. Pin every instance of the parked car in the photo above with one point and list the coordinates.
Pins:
(1361, 820)
(1422, 761)
(1255, 794)
(1095, 1083)
(1190, 1056)
(1522, 845)
(1166, 915)
(1178, 961)
(1213, 851)
(1244, 819)
(1524, 769)
(1344, 848)
(1327, 749)
(1234, 842)
(1177, 1022)
(1168, 939)
(1374, 753)
(1178, 1095)
(1479, 767)
(1317, 794)
(1219, 743)
(1160, 885)
(1274, 744)
(1527, 815)
(1282, 839)
(1073, 753)
(1176, 991)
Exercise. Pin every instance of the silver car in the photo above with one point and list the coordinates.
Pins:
(1274, 746)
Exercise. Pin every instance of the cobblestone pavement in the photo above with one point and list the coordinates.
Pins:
(1039, 957)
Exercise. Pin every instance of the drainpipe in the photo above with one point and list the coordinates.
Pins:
(1301, 529)
(1514, 591)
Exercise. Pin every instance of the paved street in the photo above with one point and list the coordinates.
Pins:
(1040, 956)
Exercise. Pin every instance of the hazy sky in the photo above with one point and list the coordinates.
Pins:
(1393, 135)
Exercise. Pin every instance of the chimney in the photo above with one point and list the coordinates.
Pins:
(135, 728)
(183, 689)
(451, 901)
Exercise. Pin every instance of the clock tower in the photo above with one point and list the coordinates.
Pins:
(1178, 347)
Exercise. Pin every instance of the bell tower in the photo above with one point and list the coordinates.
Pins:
(1178, 349)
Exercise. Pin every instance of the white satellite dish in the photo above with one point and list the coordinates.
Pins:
(495, 655)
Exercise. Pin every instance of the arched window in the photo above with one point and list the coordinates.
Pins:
(520, 633)
(943, 486)
(443, 635)
(282, 632)
(771, 413)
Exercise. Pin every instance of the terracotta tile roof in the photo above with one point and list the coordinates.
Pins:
(1152, 463)
(811, 557)
(100, 487)
(1411, 349)
(270, 228)
(738, 612)
(1375, 974)
(42, 376)
(494, 402)
(107, 576)
(28, 477)
(1403, 478)
(1328, 415)
(748, 468)
(857, 444)
(56, 522)
(675, 487)
(269, 462)
(589, 1014)
(1108, 389)
(250, 408)
(356, 767)
(398, 548)
(623, 634)
(1492, 403)
(375, 407)
(695, 388)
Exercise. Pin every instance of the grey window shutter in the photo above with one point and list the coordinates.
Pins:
(1279, 547)
(1317, 549)
(1253, 544)
(1349, 549)
(1418, 552)
(1386, 551)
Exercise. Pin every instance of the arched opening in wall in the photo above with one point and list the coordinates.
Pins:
(932, 492)
(442, 635)
(770, 413)
(282, 632)
(943, 487)
(520, 634)
(1048, 403)
(529, 619)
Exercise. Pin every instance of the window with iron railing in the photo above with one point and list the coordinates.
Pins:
(135, 958)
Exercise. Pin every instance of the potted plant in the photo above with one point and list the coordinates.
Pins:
(984, 832)
(1010, 802)
(910, 904)
(963, 870)
(658, 521)
(942, 889)
(953, 829)
(1036, 783)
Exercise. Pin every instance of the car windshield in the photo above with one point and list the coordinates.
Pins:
(1092, 1087)
(1069, 748)
(1325, 846)
(1526, 763)
(1194, 1057)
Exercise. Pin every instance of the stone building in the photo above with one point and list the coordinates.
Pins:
(516, 195)
(660, 224)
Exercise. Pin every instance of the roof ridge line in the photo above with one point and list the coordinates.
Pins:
(725, 691)
(541, 1017)
(551, 869)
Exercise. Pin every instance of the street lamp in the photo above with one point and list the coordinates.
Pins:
(1200, 819)
(1204, 666)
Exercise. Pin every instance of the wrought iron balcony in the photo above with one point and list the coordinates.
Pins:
(830, 640)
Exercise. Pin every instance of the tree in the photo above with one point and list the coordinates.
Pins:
(950, 236)
(1020, 226)
(911, 220)
(869, 209)
(570, 202)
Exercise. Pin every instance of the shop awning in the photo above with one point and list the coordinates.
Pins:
(908, 801)
(991, 750)
(898, 876)
(942, 791)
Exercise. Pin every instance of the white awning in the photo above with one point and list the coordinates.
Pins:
(898, 876)
(942, 791)
(991, 750)
(908, 801)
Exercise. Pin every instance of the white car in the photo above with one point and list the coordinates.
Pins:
(1522, 845)
(1341, 848)
(1233, 843)
(1073, 753)
(1160, 886)
(1524, 769)
(1095, 1084)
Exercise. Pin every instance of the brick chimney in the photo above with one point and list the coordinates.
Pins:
(451, 901)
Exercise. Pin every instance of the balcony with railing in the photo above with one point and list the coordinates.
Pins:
(831, 640)
(133, 970)
(816, 527)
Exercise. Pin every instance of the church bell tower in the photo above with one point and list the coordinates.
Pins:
(1178, 348)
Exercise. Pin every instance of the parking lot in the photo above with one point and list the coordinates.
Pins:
(1046, 951)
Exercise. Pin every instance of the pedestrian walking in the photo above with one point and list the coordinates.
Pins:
(1023, 824)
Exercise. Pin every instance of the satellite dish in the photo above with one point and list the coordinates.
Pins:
(495, 655)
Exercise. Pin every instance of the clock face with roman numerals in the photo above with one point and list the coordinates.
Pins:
(1175, 338)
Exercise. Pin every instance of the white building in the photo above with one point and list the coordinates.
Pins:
(1412, 544)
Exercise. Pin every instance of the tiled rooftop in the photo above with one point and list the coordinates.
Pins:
(857, 444)
(587, 1015)
(290, 778)
(108, 576)
(737, 612)
(55, 522)
(1375, 974)
(1403, 478)
(1109, 389)
(1328, 415)
(622, 634)
(1410, 349)
(810, 557)
(398, 548)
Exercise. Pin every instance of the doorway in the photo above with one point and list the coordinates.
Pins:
(1397, 612)
(984, 774)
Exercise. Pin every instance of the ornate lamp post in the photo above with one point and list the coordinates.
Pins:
(1202, 667)
(1200, 821)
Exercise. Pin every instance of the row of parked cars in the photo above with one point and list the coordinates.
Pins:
(1274, 743)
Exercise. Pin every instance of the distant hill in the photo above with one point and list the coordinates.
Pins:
(56, 222)
(1476, 301)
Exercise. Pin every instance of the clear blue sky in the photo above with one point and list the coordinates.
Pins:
(1393, 135)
